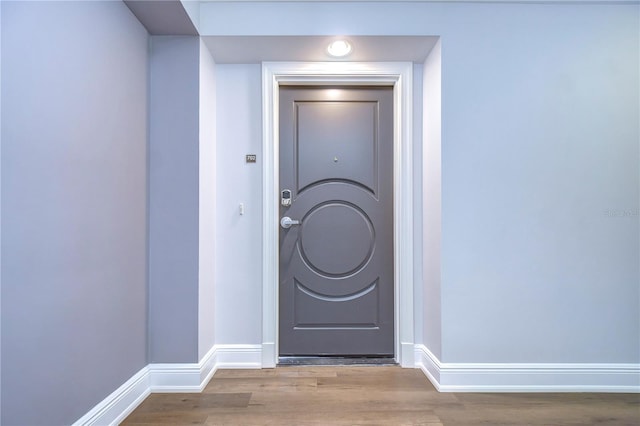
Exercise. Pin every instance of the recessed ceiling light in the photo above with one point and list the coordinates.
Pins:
(339, 48)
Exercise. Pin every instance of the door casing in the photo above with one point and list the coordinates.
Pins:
(400, 76)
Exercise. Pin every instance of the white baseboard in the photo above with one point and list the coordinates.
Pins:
(406, 358)
(446, 377)
(115, 407)
(239, 356)
(495, 377)
(170, 378)
(269, 355)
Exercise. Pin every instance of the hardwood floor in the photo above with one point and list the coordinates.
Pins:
(305, 396)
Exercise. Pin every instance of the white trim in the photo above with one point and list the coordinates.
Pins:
(183, 377)
(446, 377)
(527, 377)
(115, 407)
(398, 74)
(239, 356)
(173, 378)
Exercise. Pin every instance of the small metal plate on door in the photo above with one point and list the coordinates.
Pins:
(251, 158)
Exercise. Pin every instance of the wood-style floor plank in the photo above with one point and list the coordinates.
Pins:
(279, 372)
(374, 395)
(263, 384)
(324, 418)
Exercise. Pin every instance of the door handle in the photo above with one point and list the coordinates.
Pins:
(286, 222)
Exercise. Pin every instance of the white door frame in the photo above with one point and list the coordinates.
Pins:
(400, 76)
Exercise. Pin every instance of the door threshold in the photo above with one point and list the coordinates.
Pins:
(335, 360)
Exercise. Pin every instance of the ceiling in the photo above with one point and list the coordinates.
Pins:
(169, 17)
(256, 49)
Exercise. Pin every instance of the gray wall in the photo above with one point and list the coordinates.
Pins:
(431, 199)
(0, 213)
(538, 258)
(173, 199)
(207, 203)
(418, 320)
(238, 309)
(74, 105)
(182, 193)
(540, 120)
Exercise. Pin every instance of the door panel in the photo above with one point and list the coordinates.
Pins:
(336, 267)
(326, 130)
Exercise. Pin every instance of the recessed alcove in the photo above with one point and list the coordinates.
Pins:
(240, 123)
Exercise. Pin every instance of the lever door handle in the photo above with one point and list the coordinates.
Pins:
(286, 222)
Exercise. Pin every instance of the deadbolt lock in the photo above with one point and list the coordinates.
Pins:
(285, 197)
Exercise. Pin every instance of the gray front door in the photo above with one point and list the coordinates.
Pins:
(336, 265)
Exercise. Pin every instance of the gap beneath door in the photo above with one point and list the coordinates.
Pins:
(334, 360)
